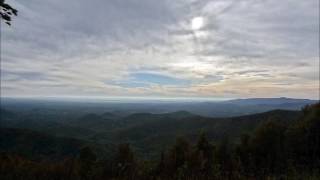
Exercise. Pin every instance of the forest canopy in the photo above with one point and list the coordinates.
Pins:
(273, 150)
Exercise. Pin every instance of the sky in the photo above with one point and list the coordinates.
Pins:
(161, 48)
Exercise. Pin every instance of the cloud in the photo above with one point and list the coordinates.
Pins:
(247, 48)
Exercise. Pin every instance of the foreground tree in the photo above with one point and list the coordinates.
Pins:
(204, 152)
(268, 148)
(87, 160)
(124, 164)
(7, 11)
(303, 139)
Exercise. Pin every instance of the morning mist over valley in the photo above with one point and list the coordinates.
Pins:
(159, 90)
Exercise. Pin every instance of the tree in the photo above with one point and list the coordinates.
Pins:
(86, 161)
(303, 138)
(180, 152)
(124, 164)
(243, 152)
(6, 12)
(268, 147)
(223, 157)
(204, 152)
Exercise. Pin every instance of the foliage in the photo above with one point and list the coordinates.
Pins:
(6, 12)
(275, 150)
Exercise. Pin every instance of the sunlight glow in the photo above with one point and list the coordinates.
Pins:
(193, 65)
(197, 23)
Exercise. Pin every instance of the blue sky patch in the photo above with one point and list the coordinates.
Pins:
(147, 79)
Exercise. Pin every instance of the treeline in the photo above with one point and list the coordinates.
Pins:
(274, 151)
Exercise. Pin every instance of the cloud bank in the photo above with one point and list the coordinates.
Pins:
(148, 48)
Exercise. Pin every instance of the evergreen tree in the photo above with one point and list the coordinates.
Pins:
(124, 163)
(205, 153)
(268, 148)
(224, 157)
(86, 162)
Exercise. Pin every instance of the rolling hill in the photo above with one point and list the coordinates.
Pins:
(150, 132)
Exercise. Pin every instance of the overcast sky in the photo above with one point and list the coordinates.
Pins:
(162, 48)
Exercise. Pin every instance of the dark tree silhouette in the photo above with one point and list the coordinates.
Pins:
(124, 163)
(7, 11)
(86, 161)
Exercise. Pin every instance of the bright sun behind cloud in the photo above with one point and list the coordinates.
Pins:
(197, 23)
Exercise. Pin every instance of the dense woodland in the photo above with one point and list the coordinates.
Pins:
(275, 149)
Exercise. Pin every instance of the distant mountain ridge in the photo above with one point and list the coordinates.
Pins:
(271, 101)
(114, 110)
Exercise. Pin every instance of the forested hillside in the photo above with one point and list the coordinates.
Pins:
(278, 146)
(148, 133)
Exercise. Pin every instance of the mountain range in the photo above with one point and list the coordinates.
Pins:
(148, 132)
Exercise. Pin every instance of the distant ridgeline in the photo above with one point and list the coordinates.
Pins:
(230, 108)
(279, 144)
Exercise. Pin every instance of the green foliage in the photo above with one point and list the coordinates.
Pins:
(35, 145)
(304, 138)
(275, 150)
(268, 147)
(147, 133)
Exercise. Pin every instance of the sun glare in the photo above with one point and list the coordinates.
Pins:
(197, 23)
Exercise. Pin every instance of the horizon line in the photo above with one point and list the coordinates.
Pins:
(139, 98)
